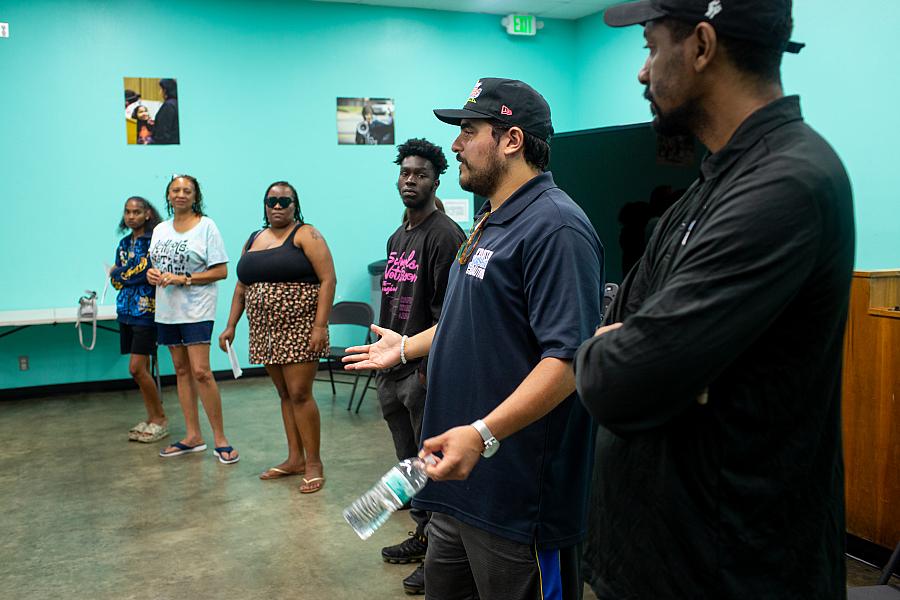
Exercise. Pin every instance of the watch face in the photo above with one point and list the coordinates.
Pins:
(490, 448)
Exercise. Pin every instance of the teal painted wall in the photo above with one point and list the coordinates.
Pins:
(257, 87)
(608, 92)
(847, 81)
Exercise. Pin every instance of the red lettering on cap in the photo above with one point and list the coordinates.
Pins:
(504, 110)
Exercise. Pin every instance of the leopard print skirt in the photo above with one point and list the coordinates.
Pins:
(281, 317)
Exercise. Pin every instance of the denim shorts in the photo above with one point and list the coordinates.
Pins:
(184, 334)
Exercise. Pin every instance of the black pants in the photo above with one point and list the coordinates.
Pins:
(402, 405)
(466, 563)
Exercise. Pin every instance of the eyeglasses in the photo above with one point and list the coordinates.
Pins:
(468, 247)
(279, 201)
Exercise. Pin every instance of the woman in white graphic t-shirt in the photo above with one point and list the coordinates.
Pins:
(188, 257)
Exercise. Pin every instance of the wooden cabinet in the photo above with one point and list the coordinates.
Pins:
(871, 407)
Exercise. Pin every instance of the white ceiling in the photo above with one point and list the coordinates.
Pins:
(551, 9)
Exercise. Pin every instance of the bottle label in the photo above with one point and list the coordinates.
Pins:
(397, 483)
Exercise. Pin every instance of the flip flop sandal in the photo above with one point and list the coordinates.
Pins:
(223, 450)
(135, 432)
(153, 433)
(182, 449)
(309, 482)
(276, 473)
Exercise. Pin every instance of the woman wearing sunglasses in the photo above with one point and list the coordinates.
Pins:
(188, 257)
(286, 284)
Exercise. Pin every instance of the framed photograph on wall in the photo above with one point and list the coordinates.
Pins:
(366, 121)
(151, 111)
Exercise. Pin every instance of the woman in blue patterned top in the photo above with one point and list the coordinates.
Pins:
(135, 306)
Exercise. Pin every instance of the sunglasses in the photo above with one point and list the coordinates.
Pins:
(468, 247)
(280, 202)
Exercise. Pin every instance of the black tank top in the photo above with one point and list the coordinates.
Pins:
(284, 263)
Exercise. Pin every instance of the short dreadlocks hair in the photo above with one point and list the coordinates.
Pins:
(425, 149)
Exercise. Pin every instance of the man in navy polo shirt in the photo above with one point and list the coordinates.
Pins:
(523, 293)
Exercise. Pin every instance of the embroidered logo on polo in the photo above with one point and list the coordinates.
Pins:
(504, 110)
(476, 91)
(479, 263)
(714, 8)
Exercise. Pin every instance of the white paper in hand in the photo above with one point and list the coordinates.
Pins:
(108, 268)
(233, 359)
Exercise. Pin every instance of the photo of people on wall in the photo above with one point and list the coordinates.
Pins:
(365, 121)
(151, 111)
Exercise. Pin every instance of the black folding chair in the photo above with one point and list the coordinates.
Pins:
(350, 313)
(609, 294)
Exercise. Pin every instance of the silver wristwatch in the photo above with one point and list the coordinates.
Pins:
(491, 444)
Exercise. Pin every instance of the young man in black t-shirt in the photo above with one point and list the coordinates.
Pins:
(419, 256)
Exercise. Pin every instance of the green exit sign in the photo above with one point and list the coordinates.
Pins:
(521, 25)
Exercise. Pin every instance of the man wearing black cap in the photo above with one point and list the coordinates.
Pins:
(717, 382)
(509, 495)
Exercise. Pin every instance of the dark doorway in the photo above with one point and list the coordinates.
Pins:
(623, 178)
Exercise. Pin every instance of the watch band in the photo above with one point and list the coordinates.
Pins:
(491, 444)
(486, 434)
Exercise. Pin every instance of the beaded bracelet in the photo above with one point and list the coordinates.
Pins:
(403, 349)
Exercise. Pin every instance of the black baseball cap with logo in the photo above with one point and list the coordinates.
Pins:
(751, 20)
(507, 100)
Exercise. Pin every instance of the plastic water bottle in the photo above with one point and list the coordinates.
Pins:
(372, 509)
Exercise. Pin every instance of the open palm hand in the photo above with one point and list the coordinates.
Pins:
(383, 354)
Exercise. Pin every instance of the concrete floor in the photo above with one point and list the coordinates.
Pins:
(85, 514)
(88, 515)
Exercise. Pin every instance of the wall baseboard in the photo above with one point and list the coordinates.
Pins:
(869, 552)
(114, 385)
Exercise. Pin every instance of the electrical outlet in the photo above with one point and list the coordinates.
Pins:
(23, 363)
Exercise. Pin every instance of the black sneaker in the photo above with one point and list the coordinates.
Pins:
(412, 549)
(414, 585)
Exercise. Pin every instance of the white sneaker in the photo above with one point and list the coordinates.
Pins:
(135, 432)
(153, 433)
